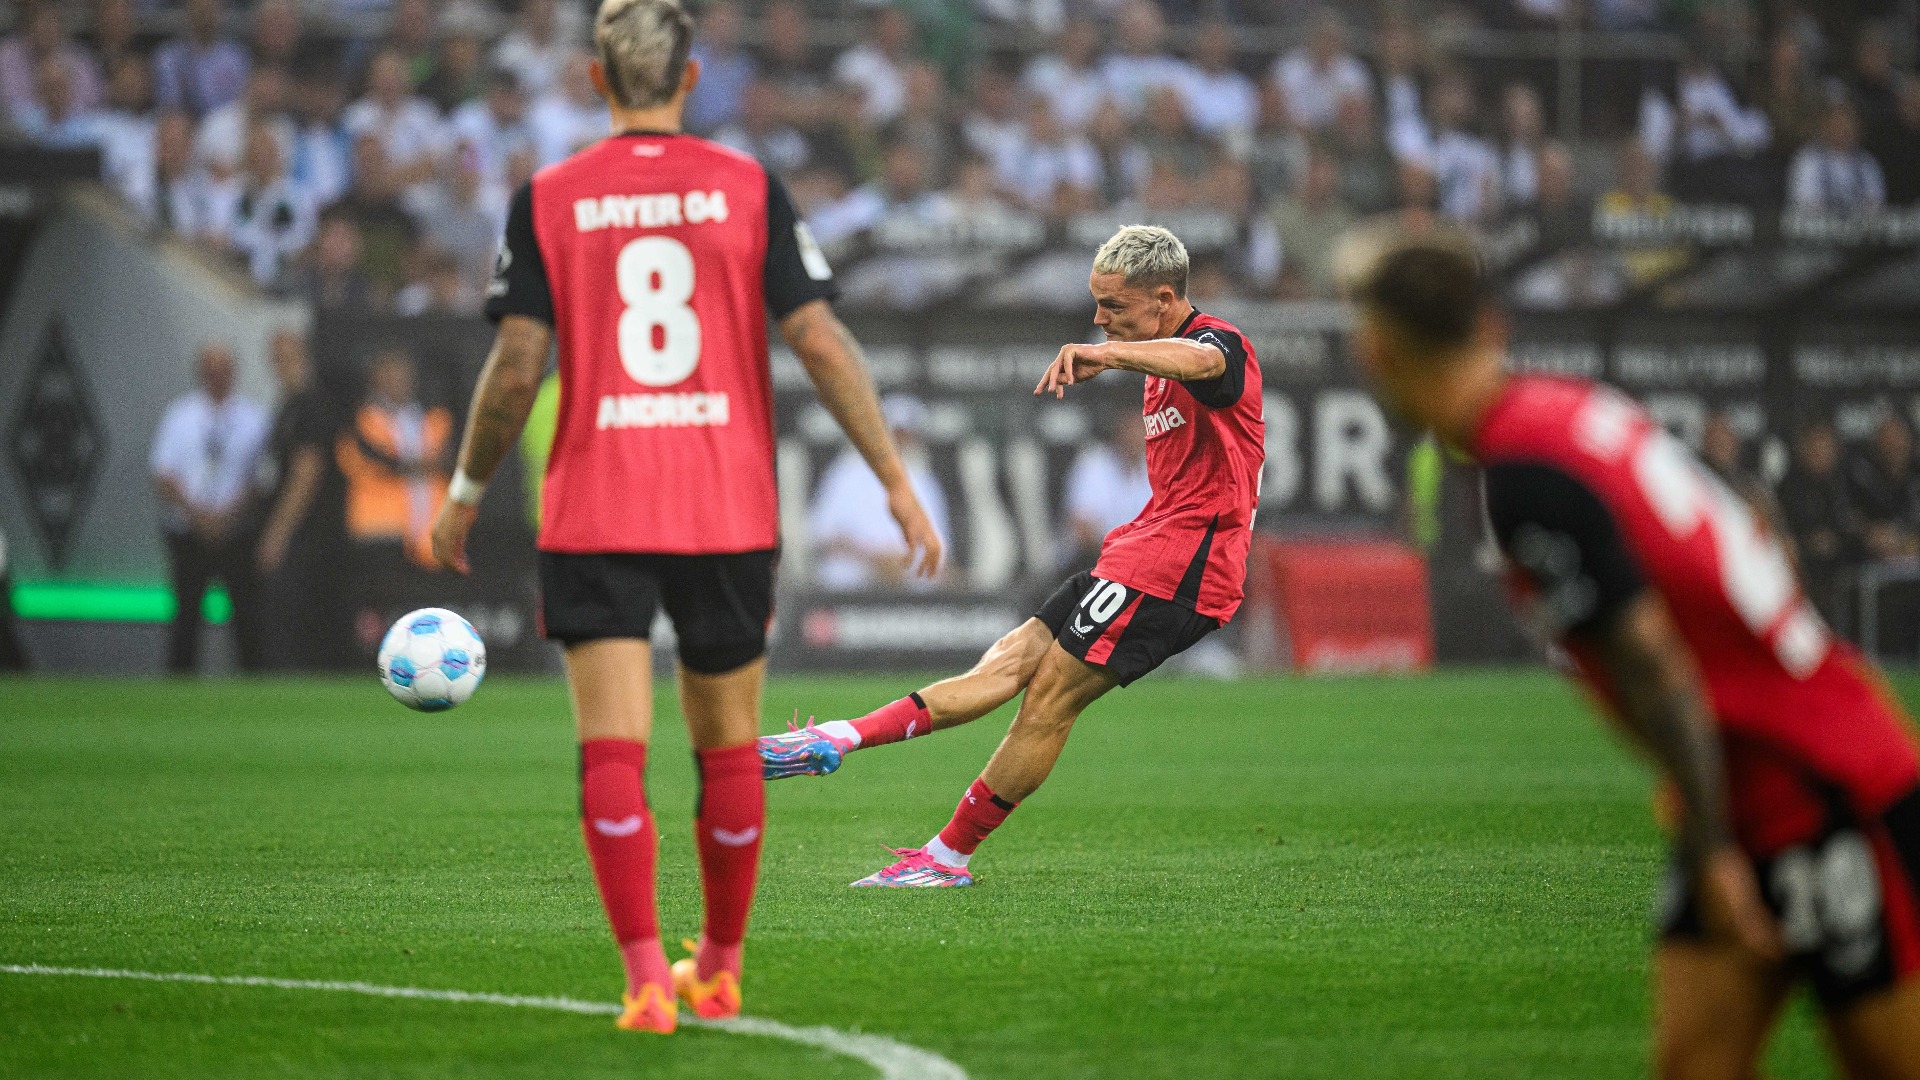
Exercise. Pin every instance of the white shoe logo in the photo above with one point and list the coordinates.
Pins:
(737, 839)
(626, 826)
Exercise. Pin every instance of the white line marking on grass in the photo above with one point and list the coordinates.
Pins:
(893, 1060)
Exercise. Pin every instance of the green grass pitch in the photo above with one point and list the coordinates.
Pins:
(1444, 876)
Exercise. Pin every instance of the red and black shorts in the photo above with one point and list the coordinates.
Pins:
(1848, 901)
(1122, 630)
(720, 605)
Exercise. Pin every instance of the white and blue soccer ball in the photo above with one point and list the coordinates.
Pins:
(432, 660)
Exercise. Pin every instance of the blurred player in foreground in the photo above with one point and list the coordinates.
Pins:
(654, 258)
(1165, 580)
(1791, 776)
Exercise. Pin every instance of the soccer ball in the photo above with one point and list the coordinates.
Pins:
(432, 660)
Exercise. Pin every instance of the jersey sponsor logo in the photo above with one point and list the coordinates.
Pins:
(649, 211)
(626, 826)
(663, 410)
(1159, 423)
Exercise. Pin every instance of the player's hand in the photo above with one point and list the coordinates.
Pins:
(450, 528)
(1731, 905)
(923, 541)
(1074, 363)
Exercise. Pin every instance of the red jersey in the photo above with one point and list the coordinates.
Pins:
(1206, 446)
(655, 258)
(1593, 502)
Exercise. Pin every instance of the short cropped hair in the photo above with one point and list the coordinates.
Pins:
(1148, 256)
(1430, 285)
(643, 46)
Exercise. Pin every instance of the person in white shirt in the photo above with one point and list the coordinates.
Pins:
(1057, 172)
(60, 121)
(1402, 67)
(1703, 120)
(221, 142)
(1522, 136)
(494, 126)
(1220, 100)
(571, 115)
(856, 543)
(1106, 486)
(904, 187)
(1141, 64)
(203, 460)
(260, 213)
(407, 127)
(1833, 173)
(1317, 75)
(993, 128)
(1068, 77)
(1466, 170)
(874, 69)
(124, 131)
(322, 157)
(761, 131)
(537, 47)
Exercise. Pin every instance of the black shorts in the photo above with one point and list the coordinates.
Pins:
(720, 604)
(1122, 630)
(1848, 904)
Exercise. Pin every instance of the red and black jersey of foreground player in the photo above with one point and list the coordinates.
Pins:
(1206, 445)
(656, 259)
(1593, 503)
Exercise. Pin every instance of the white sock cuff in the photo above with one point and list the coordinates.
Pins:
(841, 729)
(945, 855)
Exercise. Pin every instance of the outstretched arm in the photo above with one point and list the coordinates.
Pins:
(833, 361)
(1180, 359)
(501, 403)
(1659, 697)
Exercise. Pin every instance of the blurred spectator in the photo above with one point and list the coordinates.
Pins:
(1106, 486)
(1056, 172)
(260, 213)
(905, 187)
(1720, 449)
(1875, 80)
(1277, 154)
(1419, 196)
(790, 66)
(1124, 164)
(857, 545)
(1834, 174)
(1403, 75)
(387, 234)
(125, 133)
(1220, 100)
(1369, 174)
(461, 215)
(58, 121)
(40, 36)
(725, 70)
(291, 555)
(571, 116)
(759, 129)
(202, 70)
(1707, 135)
(1140, 63)
(1884, 490)
(1636, 193)
(873, 68)
(1899, 147)
(332, 280)
(115, 30)
(1523, 130)
(1790, 92)
(1068, 78)
(1320, 74)
(1466, 170)
(396, 458)
(927, 124)
(440, 286)
(993, 129)
(203, 460)
(222, 137)
(534, 50)
(1562, 215)
(1819, 517)
(495, 126)
(1170, 141)
(410, 35)
(460, 68)
(322, 155)
(180, 197)
(1309, 223)
(408, 128)
(975, 193)
(275, 41)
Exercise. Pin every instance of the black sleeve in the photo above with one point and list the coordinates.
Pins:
(1560, 533)
(1223, 390)
(519, 285)
(796, 272)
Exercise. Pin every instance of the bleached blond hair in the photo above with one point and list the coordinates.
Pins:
(643, 46)
(1147, 256)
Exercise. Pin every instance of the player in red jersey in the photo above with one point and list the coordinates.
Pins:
(1792, 777)
(1164, 580)
(653, 259)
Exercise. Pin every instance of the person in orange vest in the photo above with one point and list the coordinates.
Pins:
(395, 457)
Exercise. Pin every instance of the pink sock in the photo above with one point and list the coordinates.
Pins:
(710, 958)
(727, 832)
(894, 722)
(646, 962)
(979, 813)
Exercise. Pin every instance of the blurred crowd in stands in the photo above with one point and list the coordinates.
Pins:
(360, 153)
